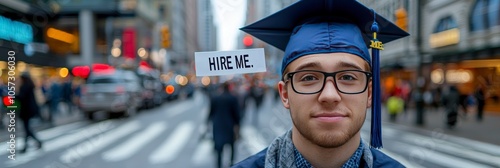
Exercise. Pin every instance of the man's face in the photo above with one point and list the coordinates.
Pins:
(329, 118)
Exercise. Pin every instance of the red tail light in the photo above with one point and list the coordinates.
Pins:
(169, 89)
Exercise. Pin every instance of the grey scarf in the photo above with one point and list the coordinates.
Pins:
(280, 153)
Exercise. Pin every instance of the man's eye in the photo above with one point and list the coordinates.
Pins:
(308, 78)
(347, 77)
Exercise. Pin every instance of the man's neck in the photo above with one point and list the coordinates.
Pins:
(321, 157)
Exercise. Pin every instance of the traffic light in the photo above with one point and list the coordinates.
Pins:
(401, 18)
(247, 41)
(165, 37)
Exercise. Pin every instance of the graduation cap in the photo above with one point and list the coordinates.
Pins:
(327, 26)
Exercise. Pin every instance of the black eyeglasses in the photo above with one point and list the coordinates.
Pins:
(346, 81)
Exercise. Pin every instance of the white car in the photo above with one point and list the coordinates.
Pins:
(113, 91)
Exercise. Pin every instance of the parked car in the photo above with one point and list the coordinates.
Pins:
(113, 91)
(188, 89)
(171, 89)
(153, 88)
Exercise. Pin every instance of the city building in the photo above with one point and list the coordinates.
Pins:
(22, 34)
(119, 33)
(463, 39)
(456, 43)
(258, 9)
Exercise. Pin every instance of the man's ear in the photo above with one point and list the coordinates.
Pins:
(370, 95)
(283, 94)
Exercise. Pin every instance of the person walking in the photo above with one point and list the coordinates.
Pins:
(28, 108)
(224, 115)
(257, 92)
(53, 98)
(67, 94)
(329, 80)
(480, 99)
(452, 103)
(395, 105)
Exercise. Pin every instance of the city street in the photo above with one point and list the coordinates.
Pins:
(171, 136)
(128, 83)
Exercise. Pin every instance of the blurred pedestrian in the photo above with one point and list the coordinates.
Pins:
(329, 80)
(224, 115)
(406, 94)
(428, 98)
(77, 92)
(53, 98)
(67, 94)
(480, 100)
(418, 98)
(241, 90)
(257, 91)
(395, 105)
(452, 103)
(28, 108)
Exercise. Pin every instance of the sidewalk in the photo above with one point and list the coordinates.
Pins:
(467, 126)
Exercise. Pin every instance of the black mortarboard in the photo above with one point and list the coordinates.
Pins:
(327, 26)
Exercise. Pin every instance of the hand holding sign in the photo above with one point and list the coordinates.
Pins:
(230, 62)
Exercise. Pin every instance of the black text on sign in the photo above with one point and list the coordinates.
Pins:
(228, 62)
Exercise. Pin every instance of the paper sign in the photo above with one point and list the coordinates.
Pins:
(217, 63)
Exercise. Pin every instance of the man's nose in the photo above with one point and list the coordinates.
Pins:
(329, 92)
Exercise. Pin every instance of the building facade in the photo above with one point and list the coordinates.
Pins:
(119, 33)
(207, 34)
(256, 10)
(457, 43)
(463, 39)
(22, 34)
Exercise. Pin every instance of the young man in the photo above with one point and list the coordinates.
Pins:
(328, 82)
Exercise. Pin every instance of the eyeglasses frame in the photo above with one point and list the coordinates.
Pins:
(328, 74)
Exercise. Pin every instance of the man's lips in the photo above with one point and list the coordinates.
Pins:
(329, 117)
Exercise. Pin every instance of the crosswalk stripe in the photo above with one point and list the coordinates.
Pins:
(63, 141)
(167, 151)
(59, 130)
(483, 147)
(465, 148)
(252, 139)
(399, 158)
(447, 147)
(435, 157)
(179, 108)
(95, 144)
(44, 135)
(443, 145)
(128, 148)
(203, 153)
(479, 146)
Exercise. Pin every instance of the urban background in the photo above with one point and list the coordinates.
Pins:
(115, 82)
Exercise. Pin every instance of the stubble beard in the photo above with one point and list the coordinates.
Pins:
(329, 139)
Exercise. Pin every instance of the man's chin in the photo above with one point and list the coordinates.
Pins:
(333, 142)
(327, 140)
